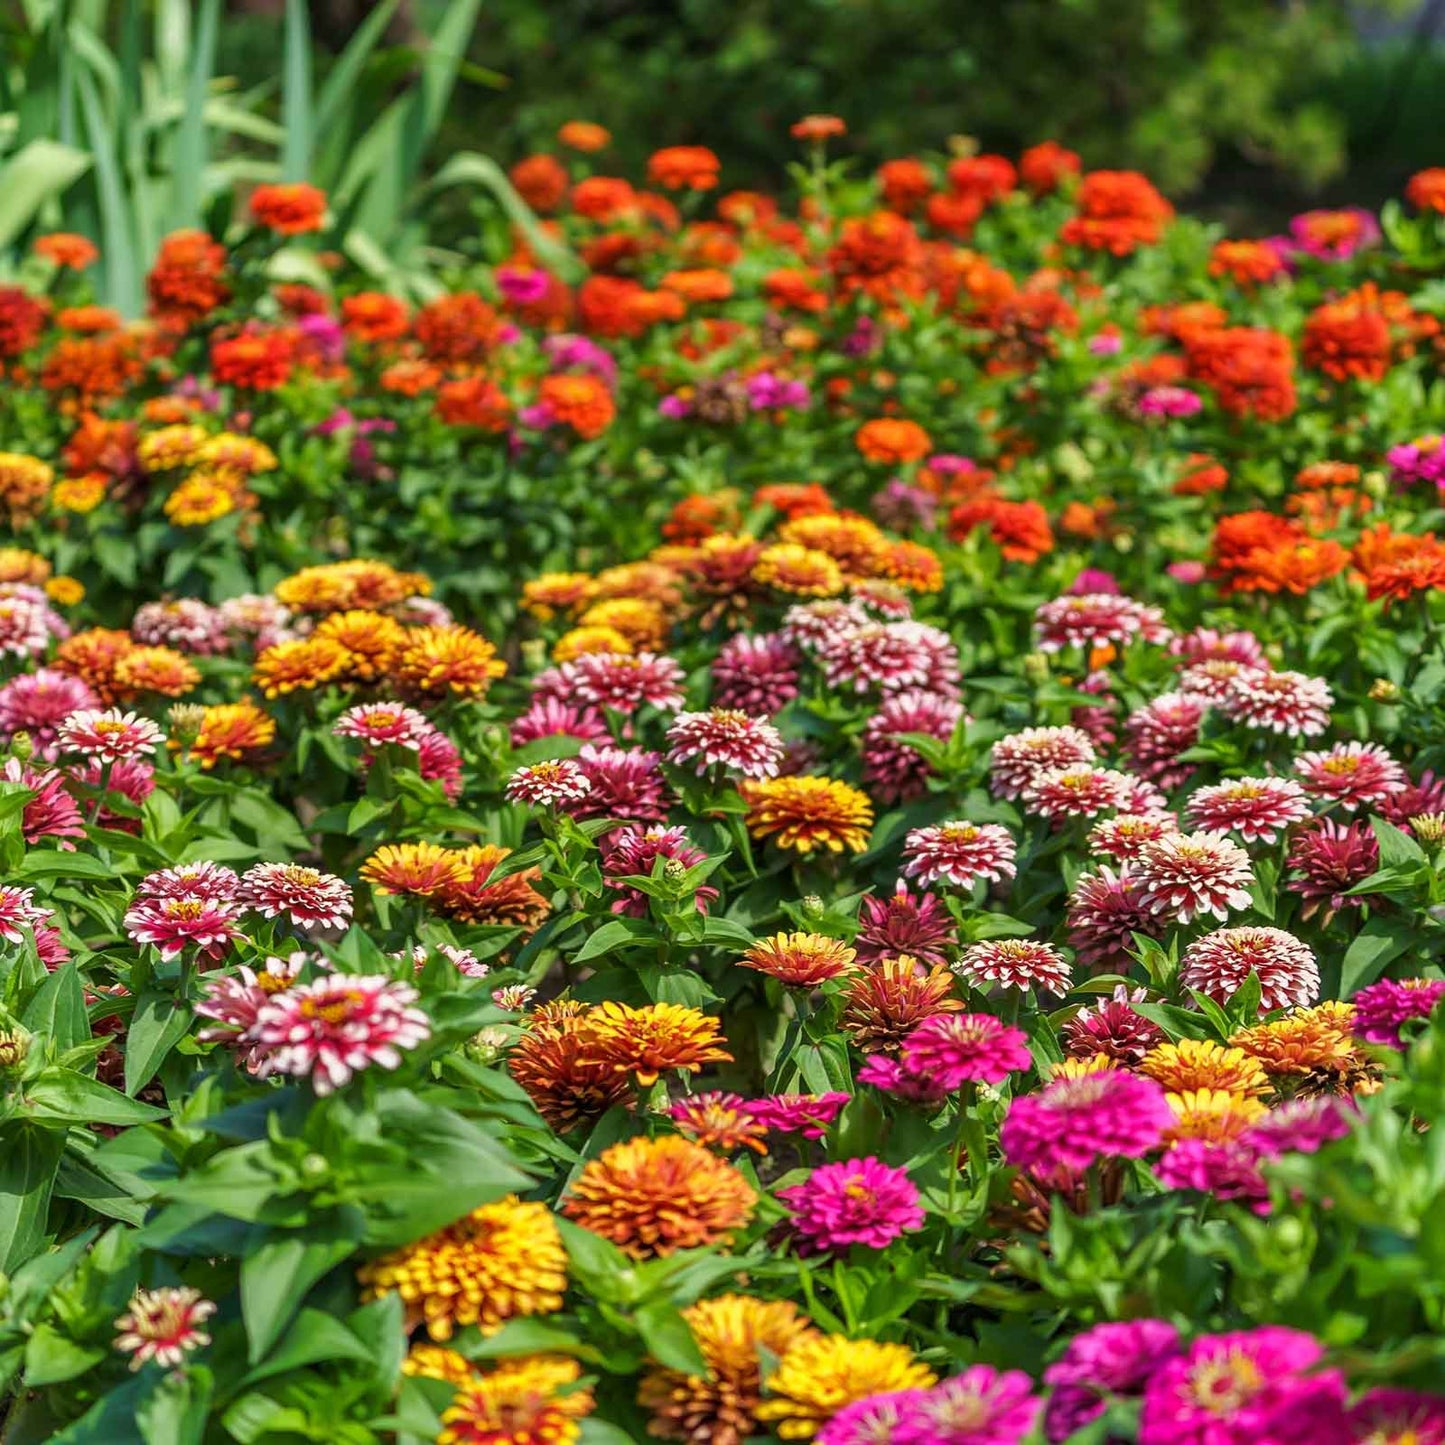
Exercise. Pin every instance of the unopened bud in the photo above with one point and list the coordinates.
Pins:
(674, 870)
(14, 1049)
(486, 1046)
(534, 653)
(186, 719)
(1429, 827)
(22, 747)
(1383, 690)
(1036, 667)
(813, 906)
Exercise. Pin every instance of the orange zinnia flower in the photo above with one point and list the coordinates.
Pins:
(291, 209)
(893, 440)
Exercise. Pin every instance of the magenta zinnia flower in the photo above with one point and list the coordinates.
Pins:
(1206, 644)
(621, 681)
(959, 853)
(892, 768)
(1157, 733)
(631, 852)
(871, 1421)
(1252, 1387)
(1227, 1169)
(38, 702)
(810, 1115)
(981, 1406)
(627, 783)
(1327, 861)
(725, 738)
(163, 1325)
(335, 1027)
(1299, 1126)
(1353, 775)
(1106, 909)
(1072, 1122)
(955, 1049)
(1389, 1416)
(1193, 875)
(858, 1201)
(51, 812)
(1110, 1359)
(1384, 1008)
(756, 672)
(1111, 1028)
(549, 717)
(309, 898)
(891, 656)
(895, 1078)
(1014, 963)
(1218, 964)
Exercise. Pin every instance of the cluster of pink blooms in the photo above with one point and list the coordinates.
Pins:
(28, 623)
(979, 1406)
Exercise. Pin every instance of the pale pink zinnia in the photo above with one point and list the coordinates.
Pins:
(1354, 775)
(1014, 963)
(955, 1049)
(959, 853)
(725, 738)
(556, 783)
(1206, 644)
(163, 1325)
(308, 897)
(893, 657)
(38, 702)
(1096, 619)
(1015, 761)
(335, 1027)
(1281, 702)
(550, 717)
(854, 1202)
(1218, 964)
(813, 625)
(1193, 875)
(110, 734)
(172, 925)
(378, 723)
(1258, 809)
(1073, 1121)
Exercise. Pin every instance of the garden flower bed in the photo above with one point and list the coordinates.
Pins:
(820, 819)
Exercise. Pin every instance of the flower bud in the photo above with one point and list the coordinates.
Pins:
(22, 747)
(1036, 667)
(1429, 827)
(14, 1049)
(186, 720)
(674, 870)
(1383, 690)
(813, 906)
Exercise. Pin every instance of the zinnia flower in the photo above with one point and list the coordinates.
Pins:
(900, 923)
(1384, 1008)
(1281, 702)
(959, 853)
(1014, 963)
(725, 738)
(556, 783)
(522, 1400)
(954, 1048)
(1192, 875)
(1354, 775)
(858, 1201)
(1218, 964)
(980, 1406)
(807, 813)
(163, 1325)
(822, 1374)
(1072, 1122)
(310, 899)
(1258, 809)
(1109, 1359)
(109, 735)
(800, 960)
(188, 920)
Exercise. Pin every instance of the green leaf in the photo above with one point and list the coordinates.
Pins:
(76, 1098)
(313, 1336)
(1397, 848)
(618, 933)
(668, 1338)
(51, 1358)
(296, 93)
(39, 170)
(58, 1009)
(190, 153)
(175, 1412)
(1370, 952)
(29, 1157)
(159, 1023)
(117, 233)
(276, 1275)
(345, 71)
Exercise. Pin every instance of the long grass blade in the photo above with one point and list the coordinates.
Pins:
(341, 79)
(118, 252)
(296, 94)
(190, 157)
(38, 171)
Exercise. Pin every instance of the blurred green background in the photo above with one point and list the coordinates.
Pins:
(1249, 108)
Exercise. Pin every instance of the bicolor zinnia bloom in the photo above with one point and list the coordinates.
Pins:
(900, 922)
(800, 960)
(1112, 1028)
(337, 1026)
(810, 1115)
(556, 783)
(719, 1120)
(957, 1048)
(1218, 964)
(1383, 1009)
(1282, 702)
(626, 783)
(822, 1374)
(379, 723)
(892, 767)
(1099, 619)
(885, 1003)
(174, 924)
(502, 1261)
(733, 1332)
(633, 852)
(308, 897)
(1354, 775)
(725, 738)
(622, 682)
(1123, 836)
(1082, 790)
(857, 1201)
(164, 1326)
(804, 814)
(1326, 861)
(653, 1197)
(757, 673)
(1159, 732)
(521, 1400)
(1073, 1121)
(1193, 875)
(1106, 909)
(1019, 963)
(959, 853)
(1258, 809)
(109, 735)
(1242, 1388)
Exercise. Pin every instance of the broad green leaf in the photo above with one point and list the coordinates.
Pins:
(277, 1273)
(57, 1009)
(296, 93)
(159, 1023)
(64, 1094)
(40, 170)
(28, 1160)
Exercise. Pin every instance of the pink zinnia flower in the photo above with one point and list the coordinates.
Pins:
(1084, 790)
(1096, 619)
(756, 672)
(1218, 964)
(51, 812)
(1214, 678)
(548, 717)
(1193, 875)
(627, 783)
(556, 783)
(1205, 644)
(1427, 795)
(892, 657)
(1168, 402)
(38, 702)
(174, 924)
(1384, 1008)
(439, 760)
(1299, 1126)
(1157, 733)
(1014, 963)
(899, 922)
(858, 1201)
(980, 1406)
(810, 1115)
(1247, 1388)
(190, 880)
(309, 898)
(1015, 761)
(1258, 809)
(24, 626)
(959, 853)
(631, 853)
(1390, 1416)
(379, 723)
(1072, 1122)
(1327, 861)
(1109, 1359)
(1106, 909)
(109, 735)
(895, 1078)
(621, 681)
(186, 623)
(725, 738)
(1227, 1169)
(19, 915)
(812, 626)
(1111, 1028)
(1280, 702)
(892, 768)
(235, 1001)
(335, 1027)
(1123, 836)
(132, 778)
(163, 1325)
(871, 1421)
(1351, 774)
(955, 1049)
